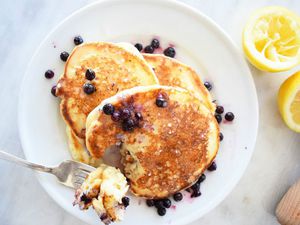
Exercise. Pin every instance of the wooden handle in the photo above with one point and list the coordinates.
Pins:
(288, 209)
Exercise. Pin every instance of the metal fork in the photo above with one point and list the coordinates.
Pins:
(69, 173)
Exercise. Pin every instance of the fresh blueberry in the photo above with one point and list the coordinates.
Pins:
(128, 124)
(218, 118)
(125, 201)
(161, 102)
(219, 109)
(116, 116)
(221, 136)
(201, 178)
(195, 186)
(125, 113)
(49, 74)
(196, 193)
(108, 109)
(138, 116)
(53, 91)
(177, 196)
(155, 43)
(167, 203)
(64, 56)
(89, 88)
(229, 116)
(170, 51)
(139, 46)
(150, 202)
(158, 203)
(78, 40)
(161, 211)
(212, 167)
(149, 49)
(208, 85)
(90, 74)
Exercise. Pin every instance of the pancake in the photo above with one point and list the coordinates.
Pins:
(171, 72)
(168, 149)
(78, 150)
(117, 67)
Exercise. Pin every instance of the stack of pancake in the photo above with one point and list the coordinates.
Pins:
(171, 145)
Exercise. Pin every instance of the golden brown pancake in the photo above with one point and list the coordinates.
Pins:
(171, 72)
(169, 148)
(117, 67)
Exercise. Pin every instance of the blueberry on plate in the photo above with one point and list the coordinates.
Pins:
(139, 46)
(64, 56)
(78, 40)
(149, 49)
(155, 43)
(170, 52)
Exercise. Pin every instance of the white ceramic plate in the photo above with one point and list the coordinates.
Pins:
(199, 42)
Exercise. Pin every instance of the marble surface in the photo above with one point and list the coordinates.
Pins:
(275, 164)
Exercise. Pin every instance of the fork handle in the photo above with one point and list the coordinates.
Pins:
(21, 162)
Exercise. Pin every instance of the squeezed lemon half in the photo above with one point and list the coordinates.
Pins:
(289, 102)
(271, 39)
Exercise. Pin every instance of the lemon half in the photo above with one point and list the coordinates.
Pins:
(271, 39)
(289, 102)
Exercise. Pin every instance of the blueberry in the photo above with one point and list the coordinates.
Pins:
(218, 118)
(125, 113)
(116, 116)
(149, 49)
(90, 74)
(221, 136)
(219, 109)
(150, 202)
(208, 85)
(161, 211)
(212, 167)
(49, 74)
(78, 40)
(138, 116)
(85, 199)
(161, 102)
(195, 186)
(155, 43)
(53, 91)
(167, 203)
(139, 46)
(177, 196)
(64, 56)
(229, 116)
(201, 178)
(196, 193)
(104, 216)
(125, 201)
(158, 204)
(170, 51)
(128, 124)
(108, 109)
(89, 88)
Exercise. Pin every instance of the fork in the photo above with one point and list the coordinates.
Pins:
(70, 173)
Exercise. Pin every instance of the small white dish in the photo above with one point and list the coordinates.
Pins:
(199, 42)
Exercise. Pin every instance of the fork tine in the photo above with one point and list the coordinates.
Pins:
(85, 169)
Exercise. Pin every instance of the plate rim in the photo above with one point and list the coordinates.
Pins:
(193, 216)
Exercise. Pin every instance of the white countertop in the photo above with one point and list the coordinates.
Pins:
(275, 164)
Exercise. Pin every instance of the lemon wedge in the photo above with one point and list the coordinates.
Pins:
(271, 39)
(289, 102)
